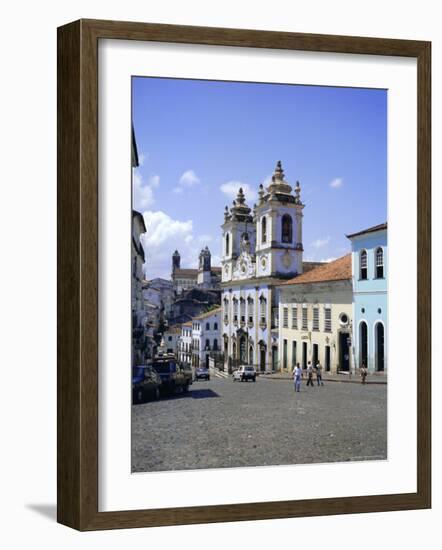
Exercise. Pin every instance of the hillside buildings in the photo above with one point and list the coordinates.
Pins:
(205, 277)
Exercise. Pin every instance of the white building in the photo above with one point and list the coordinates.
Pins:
(260, 250)
(185, 344)
(206, 337)
(172, 337)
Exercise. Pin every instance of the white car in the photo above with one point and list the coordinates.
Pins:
(244, 373)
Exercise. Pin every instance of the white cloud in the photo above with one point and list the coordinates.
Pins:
(230, 189)
(178, 190)
(142, 157)
(163, 236)
(142, 193)
(319, 243)
(160, 227)
(189, 179)
(336, 183)
(154, 181)
(327, 260)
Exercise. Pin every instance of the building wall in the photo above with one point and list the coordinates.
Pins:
(338, 296)
(370, 298)
(171, 339)
(185, 345)
(257, 334)
(206, 329)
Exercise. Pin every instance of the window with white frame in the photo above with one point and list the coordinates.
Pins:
(327, 319)
(304, 317)
(262, 310)
(285, 317)
(295, 316)
(363, 272)
(250, 306)
(242, 304)
(379, 263)
(315, 318)
(235, 310)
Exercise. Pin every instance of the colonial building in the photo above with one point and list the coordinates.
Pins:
(205, 277)
(370, 275)
(315, 318)
(171, 338)
(206, 337)
(261, 249)
(185, 344)
(139, 343)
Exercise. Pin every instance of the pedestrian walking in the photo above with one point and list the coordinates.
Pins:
(319, 374)
(297, 375)
(363, 373)
(309, 374)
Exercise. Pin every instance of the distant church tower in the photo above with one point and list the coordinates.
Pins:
(176, 261)
(205, 268)
(279, 228)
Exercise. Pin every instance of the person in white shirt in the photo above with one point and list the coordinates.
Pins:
(297, 375)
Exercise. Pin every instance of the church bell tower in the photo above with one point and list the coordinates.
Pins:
(278, 217)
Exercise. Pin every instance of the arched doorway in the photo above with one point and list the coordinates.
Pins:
(242, 350)
(379, 347)
(274, 358)
(251, 355)
(262, 357)
(363, 344)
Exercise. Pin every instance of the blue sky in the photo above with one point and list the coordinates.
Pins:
(199, 140)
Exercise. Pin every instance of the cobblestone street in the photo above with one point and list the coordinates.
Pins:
(221, 424)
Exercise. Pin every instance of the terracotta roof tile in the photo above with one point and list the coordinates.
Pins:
(338, 270)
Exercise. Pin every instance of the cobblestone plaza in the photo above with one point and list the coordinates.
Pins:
(222, 424)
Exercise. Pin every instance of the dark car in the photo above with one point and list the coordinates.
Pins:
(174, 376)
(202, 373)
(146, 384)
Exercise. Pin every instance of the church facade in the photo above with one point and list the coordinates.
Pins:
(261, 249)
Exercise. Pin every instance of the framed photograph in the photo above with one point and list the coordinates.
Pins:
(244, 288)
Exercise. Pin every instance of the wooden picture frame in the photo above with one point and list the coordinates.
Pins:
(78, 274)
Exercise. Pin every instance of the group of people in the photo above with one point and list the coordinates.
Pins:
(311, 370)
(317, 369)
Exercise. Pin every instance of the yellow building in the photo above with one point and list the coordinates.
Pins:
(315, 318)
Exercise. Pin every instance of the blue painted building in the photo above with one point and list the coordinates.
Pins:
(370, 297)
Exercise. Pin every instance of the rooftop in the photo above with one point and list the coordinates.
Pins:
(337, 270)
(209, 313)
(373, 229)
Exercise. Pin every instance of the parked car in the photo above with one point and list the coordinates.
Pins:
(202, 373)
(145, 384)
(244, 373)
(173, 375)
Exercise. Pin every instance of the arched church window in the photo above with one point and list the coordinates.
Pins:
(227, 244)
(287, 229)
(264, 230)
